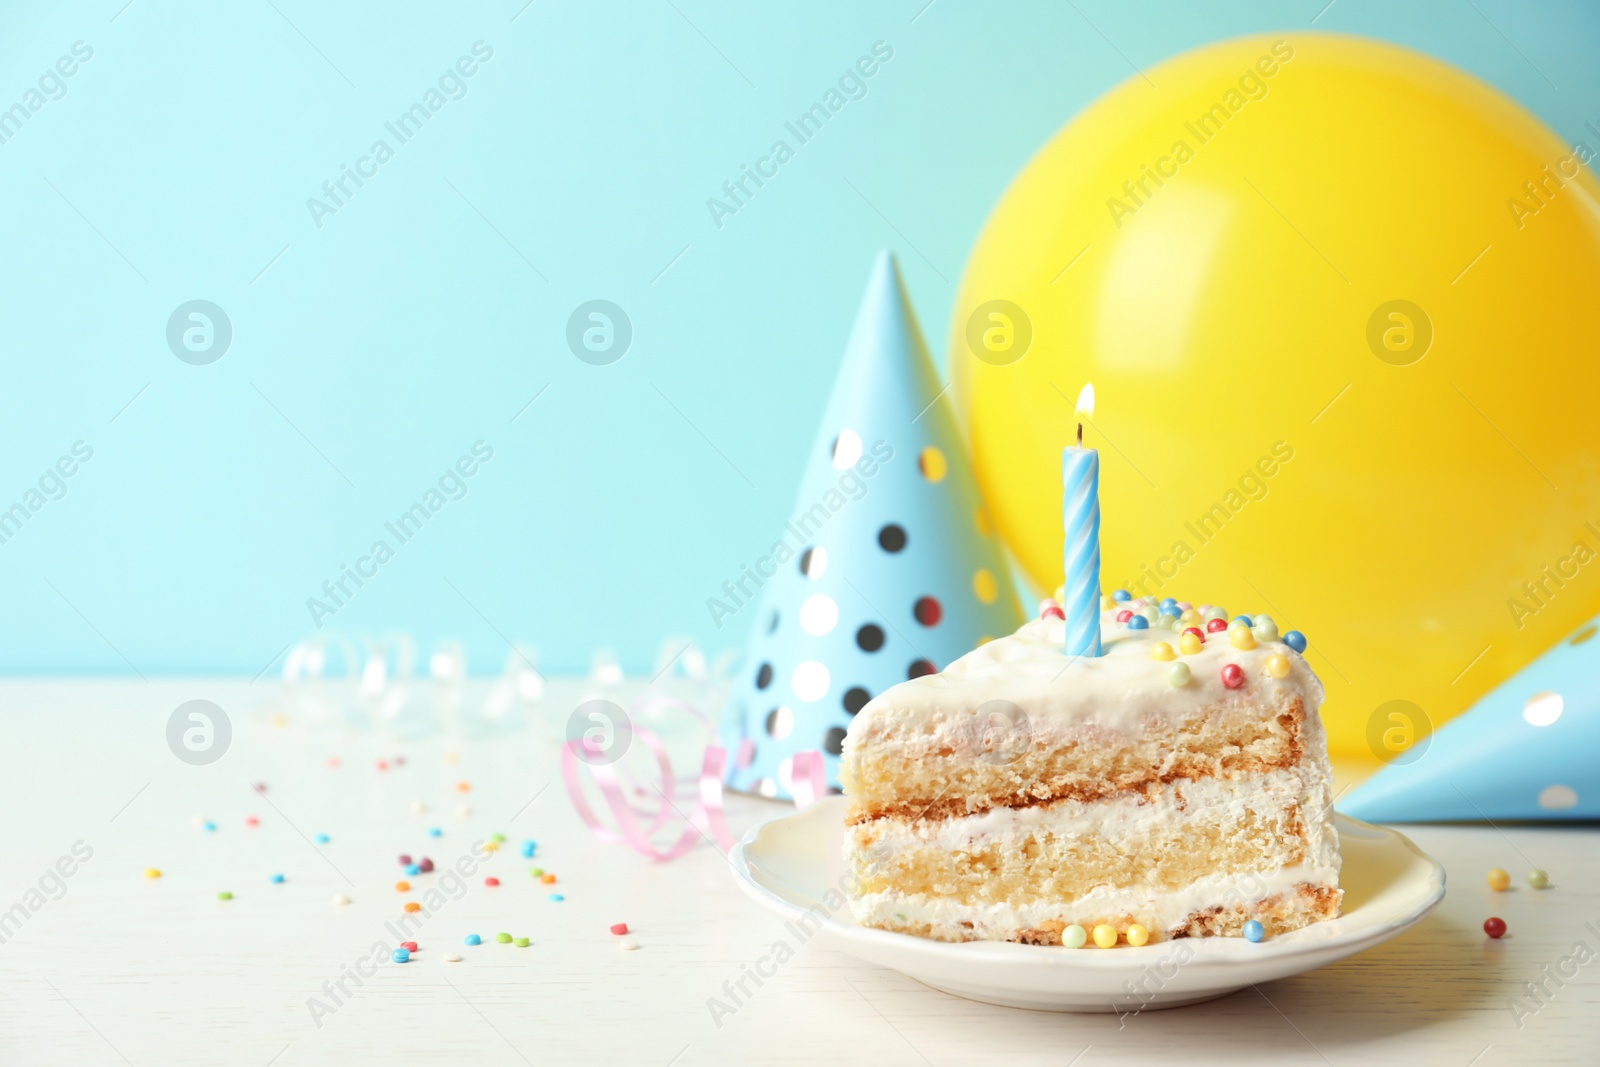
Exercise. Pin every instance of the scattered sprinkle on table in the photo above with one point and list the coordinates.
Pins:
(340, 899)
(504, 939)
(521, 942)
(557, 897)
(1494, 927)
(463, 810)
(474, 939)
(1538, 879)
(1254, 931)
(413, 906)
(418, 807)
(1499, 880)
(527, 849)
(402, 887)
(463, 787)
(491, 881)
(548, 879)
(535, 871)
(251, 820)
(321, 839)
(209, 827)
(405, 859)
(277, 879)
(260, 787)
(400, 955)
(619, 928)
(413, 869)
(424, 865)
(628, 944)
(498, 839)
(490, 846)
(383, 765)
(434, 831)
(409, 946)
(152, 872)
(224, 895)
(452, 957)
(333, 761)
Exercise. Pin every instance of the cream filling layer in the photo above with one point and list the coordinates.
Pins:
(1128, 823)
(1130, 820)
(1167, 910)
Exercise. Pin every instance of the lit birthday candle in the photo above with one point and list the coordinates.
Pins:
(1080, 506)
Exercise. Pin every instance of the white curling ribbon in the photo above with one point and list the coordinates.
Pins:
(386, 676)
(722, 666)
(519, 687)
(312, 689)
(448, 664)
(680, 657)
(604, 668)
(447, 668)
(688, 660)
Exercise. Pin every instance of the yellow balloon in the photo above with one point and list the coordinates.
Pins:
(1337, 301)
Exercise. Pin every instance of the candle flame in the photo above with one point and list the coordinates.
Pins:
(1086, 399)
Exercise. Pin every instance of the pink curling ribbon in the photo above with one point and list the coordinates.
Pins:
(808, 781)
(702, 816)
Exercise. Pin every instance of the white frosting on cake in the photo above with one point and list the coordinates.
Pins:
(1032, 670)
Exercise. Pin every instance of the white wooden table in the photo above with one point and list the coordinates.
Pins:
(122, 969)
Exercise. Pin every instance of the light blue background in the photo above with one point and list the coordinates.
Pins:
(410, 325)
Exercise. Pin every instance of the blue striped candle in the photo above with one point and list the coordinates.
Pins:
(1080, 508)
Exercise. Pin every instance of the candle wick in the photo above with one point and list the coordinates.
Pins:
(1080, 435)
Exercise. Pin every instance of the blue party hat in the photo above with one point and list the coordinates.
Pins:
(888, 567)
(1527, 750)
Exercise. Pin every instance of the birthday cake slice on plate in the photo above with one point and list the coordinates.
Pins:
(1176, 785)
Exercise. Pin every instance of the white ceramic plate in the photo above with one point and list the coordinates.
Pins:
(792, 866)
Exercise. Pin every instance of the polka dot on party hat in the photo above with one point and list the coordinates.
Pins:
(885, 569)
(1524, 751)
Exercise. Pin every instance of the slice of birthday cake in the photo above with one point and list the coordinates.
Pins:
(1175, 786)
